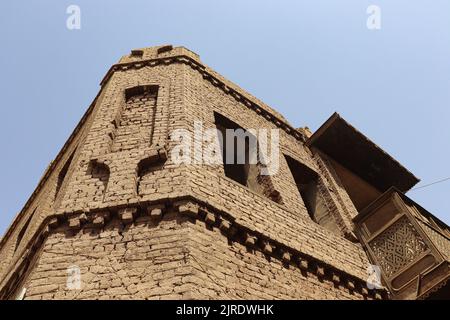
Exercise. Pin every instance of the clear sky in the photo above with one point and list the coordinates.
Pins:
(306, 59)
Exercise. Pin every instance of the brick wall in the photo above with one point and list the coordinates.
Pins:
(120, 163)
(176, 258)
(146, 260)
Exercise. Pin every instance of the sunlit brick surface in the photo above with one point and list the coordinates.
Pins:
(118, 163)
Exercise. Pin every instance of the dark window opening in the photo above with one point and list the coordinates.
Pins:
(237, 171)
(307, 182)
(239, 167)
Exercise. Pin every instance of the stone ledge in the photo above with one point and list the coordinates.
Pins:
(194, 210)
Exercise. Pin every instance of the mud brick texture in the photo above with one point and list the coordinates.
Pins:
(138, 226)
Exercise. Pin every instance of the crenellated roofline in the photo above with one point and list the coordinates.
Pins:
(226, 86)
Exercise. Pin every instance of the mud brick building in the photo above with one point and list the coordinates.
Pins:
(113, 216)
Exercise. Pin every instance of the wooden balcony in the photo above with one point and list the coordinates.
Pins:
(409, 244)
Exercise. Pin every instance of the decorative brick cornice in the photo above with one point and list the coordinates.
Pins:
(193, 209)
(203, 70)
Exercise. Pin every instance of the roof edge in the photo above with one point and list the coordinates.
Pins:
(336, 117)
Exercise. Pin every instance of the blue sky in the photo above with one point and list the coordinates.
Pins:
(306, 59)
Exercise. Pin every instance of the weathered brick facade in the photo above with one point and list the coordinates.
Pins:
(139, 226)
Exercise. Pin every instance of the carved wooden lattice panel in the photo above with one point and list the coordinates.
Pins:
(441, 242)
(397, 246)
